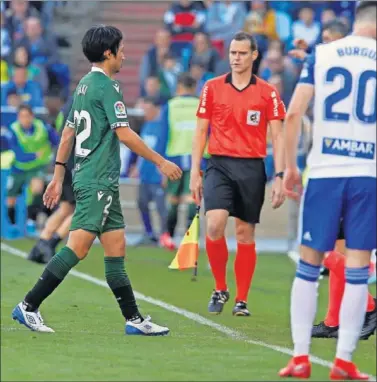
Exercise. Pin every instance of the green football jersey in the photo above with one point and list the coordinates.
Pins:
(97, 110)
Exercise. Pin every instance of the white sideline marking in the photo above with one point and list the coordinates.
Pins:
(185, 313)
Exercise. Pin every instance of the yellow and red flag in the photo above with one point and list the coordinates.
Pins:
(188, 252)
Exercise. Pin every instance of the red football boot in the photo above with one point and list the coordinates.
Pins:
(298, 367)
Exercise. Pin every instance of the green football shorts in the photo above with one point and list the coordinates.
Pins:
(18, 179)
(97, 210)
(179, 187)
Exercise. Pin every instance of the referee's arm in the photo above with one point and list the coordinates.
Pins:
(277, 137)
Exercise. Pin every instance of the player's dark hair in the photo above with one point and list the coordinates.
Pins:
(98, 40)
(186, 80)
(25, 107)
(243, 36)
(336, 26)
(364, 8)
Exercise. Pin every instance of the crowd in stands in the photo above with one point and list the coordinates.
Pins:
(34, 83)
(196, 35)
(30, 63)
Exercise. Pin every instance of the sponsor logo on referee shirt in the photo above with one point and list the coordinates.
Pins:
(275, 103)
(203, 103)
(253, 117)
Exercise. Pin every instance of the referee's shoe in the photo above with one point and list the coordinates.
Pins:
(217, 301)
(240, 309)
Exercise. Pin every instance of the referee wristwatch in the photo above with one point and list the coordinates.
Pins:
(279, 175)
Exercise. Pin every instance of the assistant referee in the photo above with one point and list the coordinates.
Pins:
(238, 107)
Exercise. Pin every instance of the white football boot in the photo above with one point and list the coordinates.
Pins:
(145, 328)
(32, 320)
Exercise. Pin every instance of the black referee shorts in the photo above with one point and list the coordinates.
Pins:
(67, 193)
(236, 185)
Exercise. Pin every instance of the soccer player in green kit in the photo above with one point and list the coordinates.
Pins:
(98, 121)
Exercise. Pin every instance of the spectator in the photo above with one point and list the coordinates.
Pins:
(168, 75)
(54, 102)
(261, 21)
(198, 71)
(29, 91)
(152, 183)
(32, 142)
(202, 50)
(13, 99)
(280, 47)
(333, 30)
(185, 18)
(327, 15)
(275, 66)
(35, 73)
(4, 76)
(6, 42)
(224, 19)
(151, 62)
(306, 28)
(16, 15)
(153, 89)
(42, 49)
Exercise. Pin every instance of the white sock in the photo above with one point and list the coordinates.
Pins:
(303, 310)
(351, 319)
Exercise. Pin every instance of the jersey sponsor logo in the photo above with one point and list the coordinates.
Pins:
(348, 148)
(100, 195)
(253, 117)
(203, 103)
(275, 103)
(120, 109)
(116, 87)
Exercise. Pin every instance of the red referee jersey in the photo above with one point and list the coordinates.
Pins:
(239, 118)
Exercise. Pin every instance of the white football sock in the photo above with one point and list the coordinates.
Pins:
(303, 310)
(351, 319)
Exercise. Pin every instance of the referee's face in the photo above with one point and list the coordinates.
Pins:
(241, 57)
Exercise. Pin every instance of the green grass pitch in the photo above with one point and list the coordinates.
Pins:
(89, 343)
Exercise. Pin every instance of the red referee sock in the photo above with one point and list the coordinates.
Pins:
(244, 267)
(217, 252)
(335, 262)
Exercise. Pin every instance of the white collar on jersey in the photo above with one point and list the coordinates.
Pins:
(97, 69)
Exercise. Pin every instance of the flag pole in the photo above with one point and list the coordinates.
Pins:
(195, 269)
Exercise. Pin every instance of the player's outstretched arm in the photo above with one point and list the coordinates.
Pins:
(52, 194)
(137, 145)
(198, 146)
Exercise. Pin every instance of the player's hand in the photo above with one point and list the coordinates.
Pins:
(196, 186)
(170, 169)
(52, 194)
(292, 183)
(277, 193)
(298, 53)
(300, 43)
